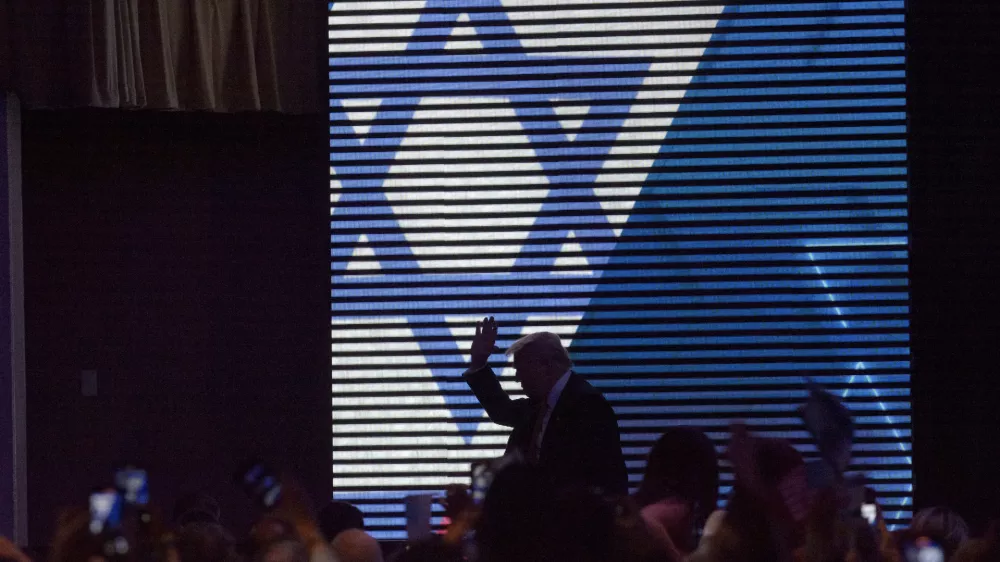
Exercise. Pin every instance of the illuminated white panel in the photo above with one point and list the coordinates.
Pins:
(705, 201)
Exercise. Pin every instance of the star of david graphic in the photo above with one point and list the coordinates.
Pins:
(372, 122)
(548, 132)
(548, 135)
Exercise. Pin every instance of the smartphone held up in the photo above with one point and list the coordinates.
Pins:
(260, 483)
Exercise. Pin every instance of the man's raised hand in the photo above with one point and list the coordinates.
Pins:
(484, 343)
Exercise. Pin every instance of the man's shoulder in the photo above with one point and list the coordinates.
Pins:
(578, 384)
(584, 395)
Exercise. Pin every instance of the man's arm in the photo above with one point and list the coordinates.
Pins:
(499, 407)
(483, 381)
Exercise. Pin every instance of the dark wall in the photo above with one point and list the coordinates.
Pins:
(954, 149)
(184, 257)
(6, 380)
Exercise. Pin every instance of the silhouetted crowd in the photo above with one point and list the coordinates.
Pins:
(770, 514)
(780, 507)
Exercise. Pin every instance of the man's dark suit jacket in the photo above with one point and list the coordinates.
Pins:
(581, 445)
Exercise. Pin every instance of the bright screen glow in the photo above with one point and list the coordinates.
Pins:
(706, 201)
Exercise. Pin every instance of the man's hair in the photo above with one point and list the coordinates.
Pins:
(544, 346)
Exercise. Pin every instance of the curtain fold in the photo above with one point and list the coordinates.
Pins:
(217, 55)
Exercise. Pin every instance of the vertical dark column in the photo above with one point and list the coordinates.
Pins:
(11, 325)
(954, 135)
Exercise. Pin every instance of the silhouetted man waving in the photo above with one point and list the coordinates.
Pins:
(565, 425)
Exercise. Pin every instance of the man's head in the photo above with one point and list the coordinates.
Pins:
(539, 360)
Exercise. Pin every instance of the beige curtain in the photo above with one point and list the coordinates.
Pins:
(218, 55)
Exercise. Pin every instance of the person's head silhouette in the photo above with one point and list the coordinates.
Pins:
(539, 361)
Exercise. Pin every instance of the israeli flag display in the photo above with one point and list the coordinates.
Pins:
(707, 202)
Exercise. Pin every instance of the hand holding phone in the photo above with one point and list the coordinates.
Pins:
(260, 483)
(869, 512)
(133, 486)
(923, 550)
(481, 479)
(105, 511)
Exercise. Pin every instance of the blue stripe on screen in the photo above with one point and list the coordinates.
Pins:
(374, 61)
(680, 409)
(485, 29)
(582, 303)
(657, 175)
(747, 120)
(779, 352)
(637, 219)
(725, 34)
(528, 290)
(797, 90)
(769, 8)
(721, 146)
(621, 393)
(366, 194)
(812, 324)
(797, 104)
(377, 145)
(804, 230)
(792, 421)
(776, 341)
(388, 105)
(578, 83)
(625, 244)
(803, 63)
(413, 312)
(734, 120)
(813, 131)
(823, 6)
(764, 201)
(547, 70)
(755, 367)
(625, 274)
(891, 434)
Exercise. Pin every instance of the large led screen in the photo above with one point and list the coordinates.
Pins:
(706, 201)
